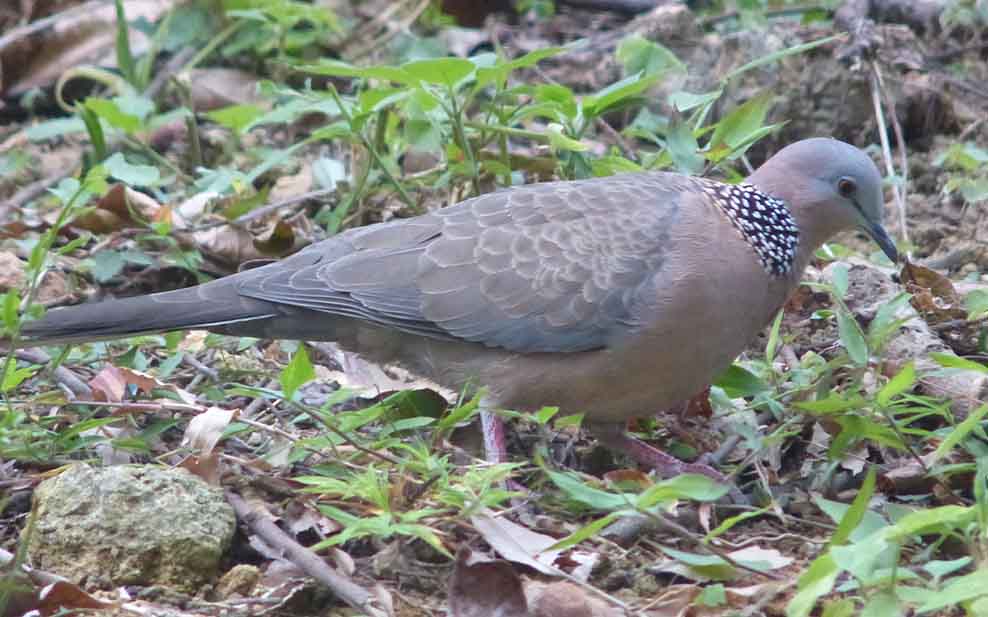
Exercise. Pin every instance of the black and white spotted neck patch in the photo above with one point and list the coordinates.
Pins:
(763, 221)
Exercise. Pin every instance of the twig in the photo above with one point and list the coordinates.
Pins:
(155, 406)
(209, 372)
(886, 148)
(391, 30)
(684, 533)
(345, 589)
(61, 374)
(32, 191)
(269, 208)
(900, 143)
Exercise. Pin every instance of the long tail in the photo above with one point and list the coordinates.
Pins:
(213, 304)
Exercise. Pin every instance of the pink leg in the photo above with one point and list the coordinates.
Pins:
(492, 429)
(614, 437)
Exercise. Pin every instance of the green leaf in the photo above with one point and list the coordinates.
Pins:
(684, 150)
(961, 589)
(839, 276)
(882, 604)
(105, 265)
(839, 608)
(775, 56)
(297, 372)
(11, 301)
(685, 486)
(960, 433)
(595, 498)
(112, 114)
(618, 92)
(736, 129)
(817, 581)
(561, 142)
(125, 59)
(459, 414)
(774, 337)
(855, 514)
(862, 559)
(342, 69)
(949, 360)
(712, 596)
(851, 336)
(833, 404)
(732, 521)
(930, 520)
(235, 117)
(545, 414)
(940, 568)
(738, 382)
(59, 127)
(16, 377)
(501, 69)
(902, 382)
(583, 533)
(684, 101)
(442, 71)
(976, 303)
(640, 55)
(134, 175)
(710, 566)
(870, 522)
(95, 130)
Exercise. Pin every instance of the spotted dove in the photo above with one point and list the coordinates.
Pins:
(613, 297)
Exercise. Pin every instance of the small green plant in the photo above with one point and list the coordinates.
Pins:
(968, 171)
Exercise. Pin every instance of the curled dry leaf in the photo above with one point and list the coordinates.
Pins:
(933, 295)
(204, 431)
(276, 241)
(110, 384)
(120, 208)
(202, 434)
(233, 245)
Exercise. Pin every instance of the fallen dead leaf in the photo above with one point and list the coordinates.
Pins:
(516, 543)
(74, 38)
(61, 596)
(120, 208)
(201, 435)
(484, 589)
(216, 87)
(11, 271)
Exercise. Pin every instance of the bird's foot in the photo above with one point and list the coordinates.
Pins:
(614, 437)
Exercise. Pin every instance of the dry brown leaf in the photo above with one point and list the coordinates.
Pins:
(63, 595)
(483, 589)
(216, 87)
(11, 271)
(933, 294)
(516, 543)
(629, 478)
(201, 435)
(111, 383)
(204, 430)
(120, 208)
(74, 39)
(277, 241)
